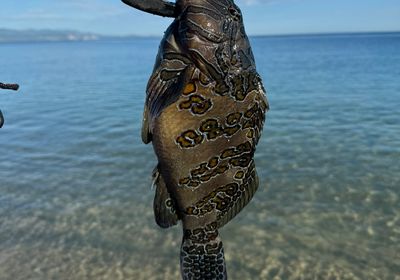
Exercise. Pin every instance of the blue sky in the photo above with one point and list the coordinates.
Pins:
(261, 16)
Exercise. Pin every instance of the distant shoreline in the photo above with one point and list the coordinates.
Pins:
(333, 34)
(38, 36)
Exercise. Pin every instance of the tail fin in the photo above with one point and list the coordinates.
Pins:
(202, 255)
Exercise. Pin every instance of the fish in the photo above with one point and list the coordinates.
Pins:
(204, 113)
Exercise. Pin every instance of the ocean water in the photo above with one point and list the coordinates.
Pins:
(75, 196)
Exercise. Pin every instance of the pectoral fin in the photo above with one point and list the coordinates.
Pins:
(146, 134)
(162, 93)
(164, 206)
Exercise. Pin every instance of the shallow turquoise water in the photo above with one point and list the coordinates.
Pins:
(75, 197)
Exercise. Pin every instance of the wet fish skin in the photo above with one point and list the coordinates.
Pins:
(204, 113)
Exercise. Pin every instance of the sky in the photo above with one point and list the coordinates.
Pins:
(261, 17)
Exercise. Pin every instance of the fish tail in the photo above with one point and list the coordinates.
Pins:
(202, 255)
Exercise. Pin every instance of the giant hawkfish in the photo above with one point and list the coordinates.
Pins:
(204, 111)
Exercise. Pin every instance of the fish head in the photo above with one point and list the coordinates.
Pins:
(219, 27)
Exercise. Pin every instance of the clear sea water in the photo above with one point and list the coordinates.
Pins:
(75, 196)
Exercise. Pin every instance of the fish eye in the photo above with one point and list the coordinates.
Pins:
(234, 13)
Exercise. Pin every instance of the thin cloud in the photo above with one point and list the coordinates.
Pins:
(34, 14)
(67, 11)
(93, 7)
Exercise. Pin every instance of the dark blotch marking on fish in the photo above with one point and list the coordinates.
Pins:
(252, 119)
(197, 104)
(225, 197)
(189, 139)
(239, 156)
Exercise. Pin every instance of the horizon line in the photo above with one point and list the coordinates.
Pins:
(318, 33)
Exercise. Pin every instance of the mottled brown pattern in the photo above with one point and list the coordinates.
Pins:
(240, 155)
(212, 128)
(224, 197)
(196, 104)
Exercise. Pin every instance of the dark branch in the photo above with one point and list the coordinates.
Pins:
(6, 86)
(155, 7)
(1, 119)
(9, 86)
